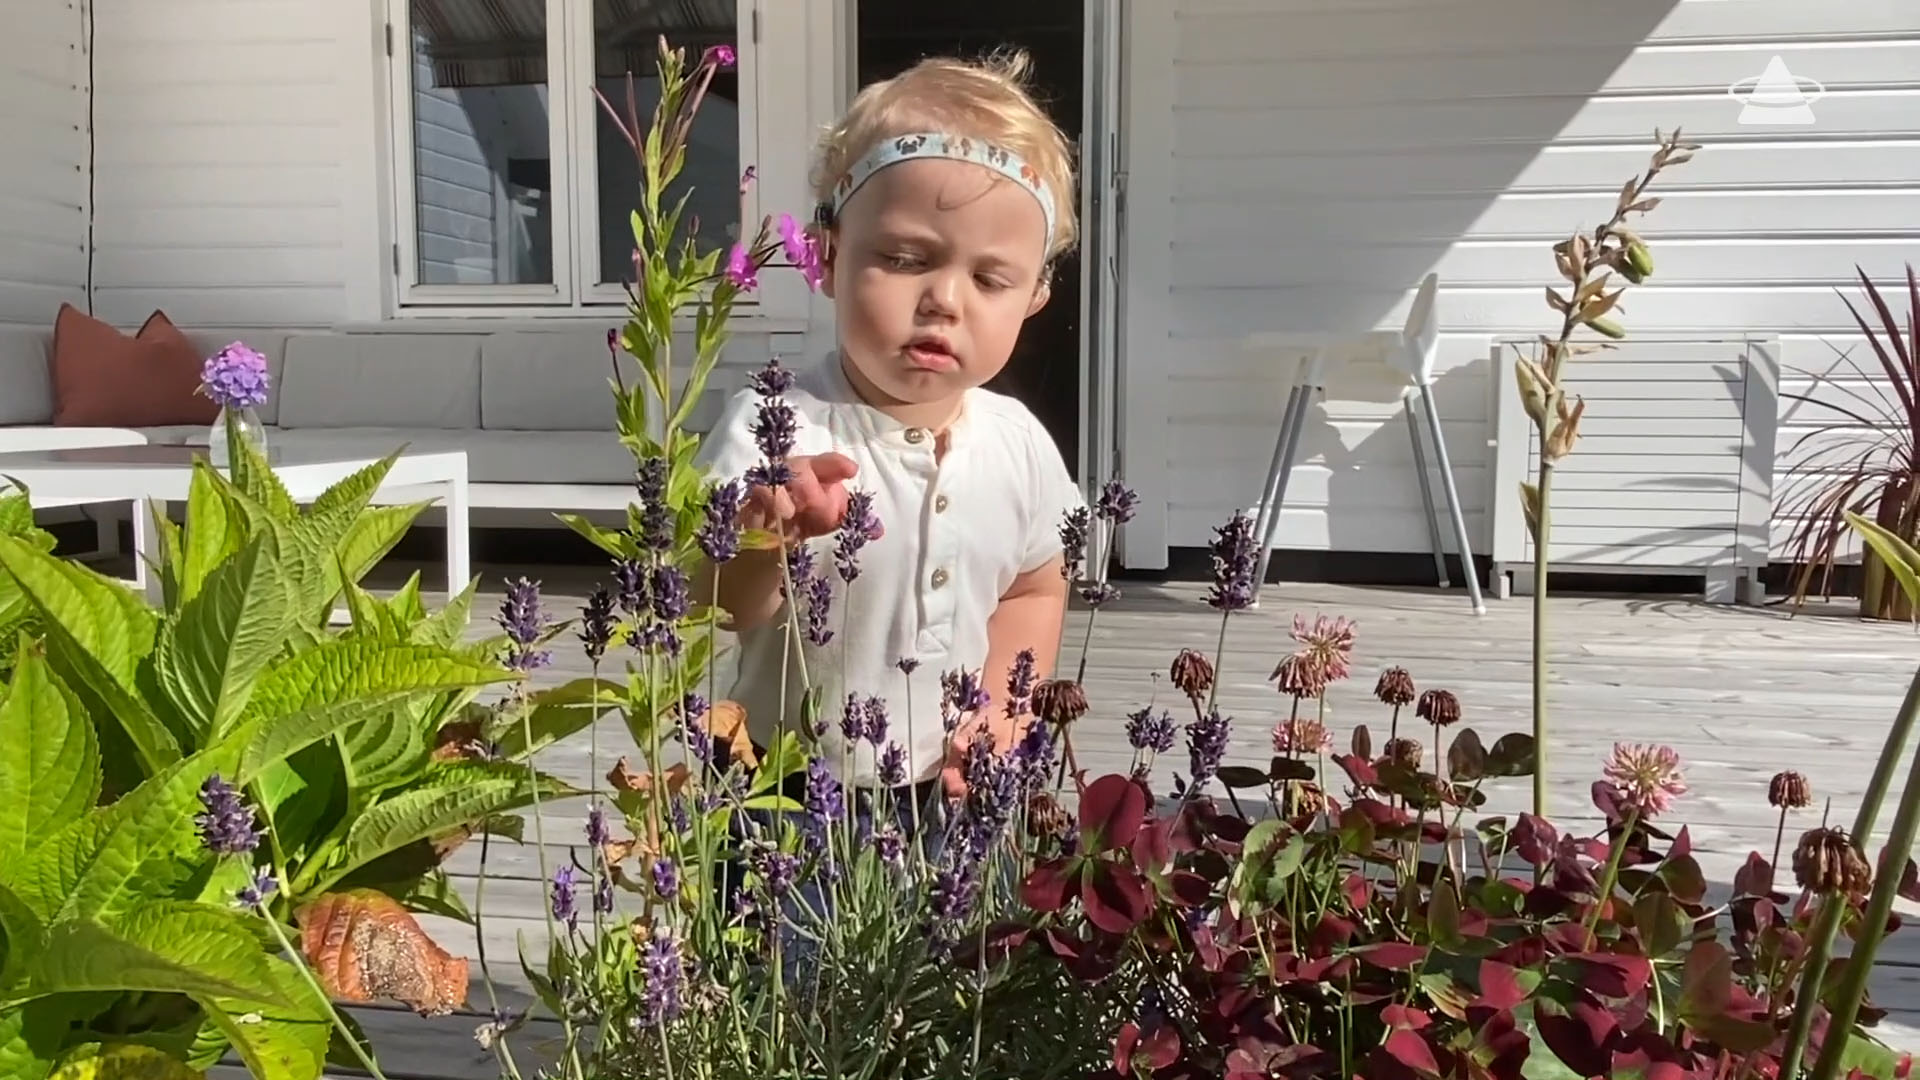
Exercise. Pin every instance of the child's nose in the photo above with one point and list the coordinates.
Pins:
(941, 295)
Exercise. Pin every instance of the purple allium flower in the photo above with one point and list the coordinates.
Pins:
(521, 618)
(671, 598)
(1148, 730)
(562, 903)
(597, 834)
(802, 251)
(656, 517)
(954, 890)
(226, 826)
(630, 586)
(666, 878)
(1075, 527)
(771, 380)
(720, 56)
(1117, 503)
(719, 535)
(819, 607)
(663, 970)
(778, 870)
(907, 665)
(602, 894)
(236, 377)
(858, 528)
(1207, 745)
(1235, 551)
(740, 270)
(253, 896)
(893, 765)
(825, 800)
(596, 623)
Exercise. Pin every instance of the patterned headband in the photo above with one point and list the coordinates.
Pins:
(935, 144)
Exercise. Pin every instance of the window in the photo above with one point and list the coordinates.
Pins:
(513, 186)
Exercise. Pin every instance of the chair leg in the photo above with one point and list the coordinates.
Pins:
(1453, 500)
(1266, 524)
(1432, 516)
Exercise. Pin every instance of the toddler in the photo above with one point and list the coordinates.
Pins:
(945, 195)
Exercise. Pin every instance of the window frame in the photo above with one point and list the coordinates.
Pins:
(773, 94)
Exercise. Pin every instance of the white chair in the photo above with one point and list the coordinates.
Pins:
(1409, 357)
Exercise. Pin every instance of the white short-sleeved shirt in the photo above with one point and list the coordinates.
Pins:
(957, 533)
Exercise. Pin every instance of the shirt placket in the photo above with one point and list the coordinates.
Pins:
(939, 570)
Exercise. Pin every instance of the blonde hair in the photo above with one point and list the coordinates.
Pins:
(987, 99)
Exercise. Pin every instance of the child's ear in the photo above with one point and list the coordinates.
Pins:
(829, 251)
(1041, 294)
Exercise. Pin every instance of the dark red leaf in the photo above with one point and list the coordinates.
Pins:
(1123, 1044)
(1229, 828)
(1433, 832)
(1064, 945)
(1706, 983)
(1684, 879)
(1640, 1066)
(1524, 953)
(1535, 839)
(1116, 898)
(1153, 846)
(1358, 769)
(1411, 1050)
(1608, 799)
(1498, 1043)
(1381, 814)
(1405, 1016)
(1393, 955)
(1500, 985)
(1357, 890)
(1755, 877)
(1111, 812)
(1614, 975)
(1909, 881)
(1188, 889)
(1048, 886)
(1582, 1036)
(1333, 930)
(1682, 844)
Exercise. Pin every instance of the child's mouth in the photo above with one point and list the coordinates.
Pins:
(931, 356)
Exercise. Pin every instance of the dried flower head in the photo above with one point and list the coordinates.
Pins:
(1395, 687)
(1192, 674)
(1406, 753)
(1327, 644)
(1045, 816)
(1438, 707)
(1301, 735)
(1298, 677)
(1059, 701)
(1828, 861)
(1308, 800)
(1648, 778)
(1789, 791)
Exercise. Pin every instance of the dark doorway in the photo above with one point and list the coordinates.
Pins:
(1044, 371)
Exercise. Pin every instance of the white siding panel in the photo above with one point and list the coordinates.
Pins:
(43, 190)
(221, 131)
(1328, 153)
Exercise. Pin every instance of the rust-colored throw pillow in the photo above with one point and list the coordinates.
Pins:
(103, 378)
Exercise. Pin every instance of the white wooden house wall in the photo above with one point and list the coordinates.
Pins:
(43, 185)
(1327, 153)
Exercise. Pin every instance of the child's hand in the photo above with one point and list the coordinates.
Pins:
(811, 504)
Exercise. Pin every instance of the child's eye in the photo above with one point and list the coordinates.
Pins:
(990, 283)
(900, 260)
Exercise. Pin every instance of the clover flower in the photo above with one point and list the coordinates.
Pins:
(1789, 791)
(1405, 753)
(1207, 745)
(1648, 778)
(1827, 861)
(1297, 677)
(1301, 735)
(1327, 644)
(521, 618)
(1148, 730)
(719, 533)
(236, 377)
(858, 527)
(1438, 707)
(1235, 553)
(226, 826)
(1059, 702)
(596, 623)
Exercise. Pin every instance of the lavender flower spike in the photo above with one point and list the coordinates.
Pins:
(236, 377)
(859, 527)
(596, 623)
(521, 618)
(719, 535)
(253, 896)
(562, 903)
(1207, 745)
(663, 967)
(1235, 551)
(1117, 502)
(227, 827)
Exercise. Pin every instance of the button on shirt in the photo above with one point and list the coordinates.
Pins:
(958, 530)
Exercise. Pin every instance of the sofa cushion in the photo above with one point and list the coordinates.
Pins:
(26, 384)
(398, 380)
(269, 343)
(533, 380)
(493, 457)
(103, 378)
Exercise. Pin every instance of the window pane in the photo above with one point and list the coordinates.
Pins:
(482, 182)
(626, 35)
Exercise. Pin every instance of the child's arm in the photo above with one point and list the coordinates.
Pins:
(1030, 615)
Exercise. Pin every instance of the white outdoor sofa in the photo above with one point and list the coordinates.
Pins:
(531, 408)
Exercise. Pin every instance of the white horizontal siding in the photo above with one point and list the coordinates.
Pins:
(1818, 442)
(1328, 153)
(43, 187)
(221, 193)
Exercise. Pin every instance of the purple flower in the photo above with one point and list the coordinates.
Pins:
(819, 606)
(778, 870)
(236, 377)
(853, 719)
(656, 516)
(521, 618)
(1099, 593)
(670, 596)
(602, 894)
(771, 380)
(597, 826)
(890, 846)
(803, 251)
(907, 665)
(562, 903)
(954, 890)
(857, 529)
(677, 815)
(993, 788)
(226, 827)
(825, 800)
(961, 693)
(253, 896)
(893, 766)
(596, 623)
(1117, 503)
(662, 968)
(1033, 756)
(719, 535)
(1207, 745)
(1020, 684)
(630, 585)
(720, 56)
(876, 728)
(774, 429)
(666, 878)
(1074, 529)
(1234, 553)
(740, 270)
(1148, 730)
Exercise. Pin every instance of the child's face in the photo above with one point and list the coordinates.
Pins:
(934, 266)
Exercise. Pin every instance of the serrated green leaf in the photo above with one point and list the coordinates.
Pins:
(347, 669)
(122, 1061)
(31, 1038)
(210, 655)
(173, 559)
(277, 1042)
(20, 937)
(16, 514)
(98, 632)
(373, 534)
(616, 544)
(352, 493)
(161, 946)
(217, 527)
(49, 759)
(447, 627)
(254, 478)
(558, 712)
(451, 796)
(385, 751)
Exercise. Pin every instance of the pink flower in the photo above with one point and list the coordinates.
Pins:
(1328, 645)
(802, 250)
(1648, 778)
(1301, 735)
(720, 56)
(740, 269)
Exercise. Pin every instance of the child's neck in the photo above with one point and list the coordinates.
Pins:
(935, 416)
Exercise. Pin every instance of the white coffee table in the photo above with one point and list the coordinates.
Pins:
(140, 474)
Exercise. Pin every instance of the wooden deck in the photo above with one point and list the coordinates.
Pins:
(1739, 692)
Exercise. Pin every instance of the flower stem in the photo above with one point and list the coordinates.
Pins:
(1544, 534)
(333, 1014)
(1612, 873)
(1779, 834)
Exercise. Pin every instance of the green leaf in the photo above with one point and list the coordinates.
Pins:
(352, 493)
(257, 481)
(373, 534)
(163, 947)
(16, 514)
(98, 632)
(123, 1061)
(1443, 916)
(448, 626)
(453, 795)
(1899, 557)
(31, 1037)
(209, 657)
(277, 1041)
(355, 668)
(217, 528)
(20, 937)
(557, 713)
(385, 751)
(1870, 1056)
(616, 544)
(49, 760)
